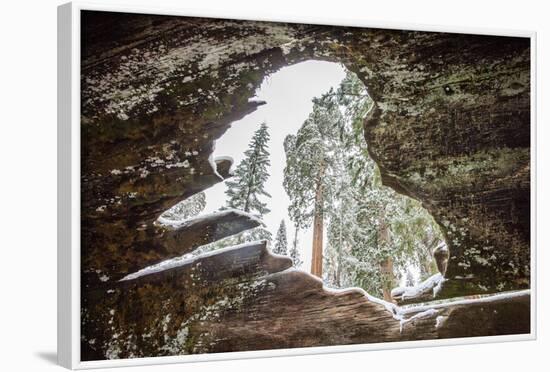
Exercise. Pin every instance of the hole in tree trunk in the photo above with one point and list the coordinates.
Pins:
(357, 232)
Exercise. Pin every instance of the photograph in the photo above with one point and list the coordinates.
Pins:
(250, 185)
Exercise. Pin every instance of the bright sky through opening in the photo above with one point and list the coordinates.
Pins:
(288, 93)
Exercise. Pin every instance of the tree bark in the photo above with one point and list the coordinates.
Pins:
(386, 266)
(339, 260)
(318, 220)
(338, 279)
(317, 246)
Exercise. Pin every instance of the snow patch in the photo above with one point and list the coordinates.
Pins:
(222, 158)
(433, 283)
(180, 164)
(392, 308)
(212, 162)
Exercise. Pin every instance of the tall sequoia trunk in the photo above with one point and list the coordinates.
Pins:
(318, 220)
(317, 246)
(386, 266)
(338, 274)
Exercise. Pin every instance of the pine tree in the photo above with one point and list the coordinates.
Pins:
(247, 185)
(246, 188)
(280, 240)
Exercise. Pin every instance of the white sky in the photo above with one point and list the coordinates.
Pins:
(288, 94)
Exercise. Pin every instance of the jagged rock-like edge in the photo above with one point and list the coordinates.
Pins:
(273, 263)
(202, 218)
(170, 242)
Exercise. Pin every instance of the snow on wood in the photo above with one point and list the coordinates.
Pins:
(228, 159)
(189, 259)
(190, 234)
(213, 165)
(425, 291)
(511, 295)
(171, 244)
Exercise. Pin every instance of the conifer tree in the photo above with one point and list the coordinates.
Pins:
(281, 245)
(246, 187)
(374, 232)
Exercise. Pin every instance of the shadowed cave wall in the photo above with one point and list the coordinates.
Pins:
(450, 127)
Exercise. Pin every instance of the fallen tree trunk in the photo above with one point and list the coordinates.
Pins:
(245, 298)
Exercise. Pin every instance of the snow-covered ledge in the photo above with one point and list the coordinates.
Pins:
(425, 291)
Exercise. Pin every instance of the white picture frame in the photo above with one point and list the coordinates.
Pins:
(69, 191)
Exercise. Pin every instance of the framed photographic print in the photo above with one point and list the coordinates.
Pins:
(245, 187)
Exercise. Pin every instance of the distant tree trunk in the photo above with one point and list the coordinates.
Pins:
(386, 266)
(317, 246)
(318, 220)
(295, 241)
(338, 274)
